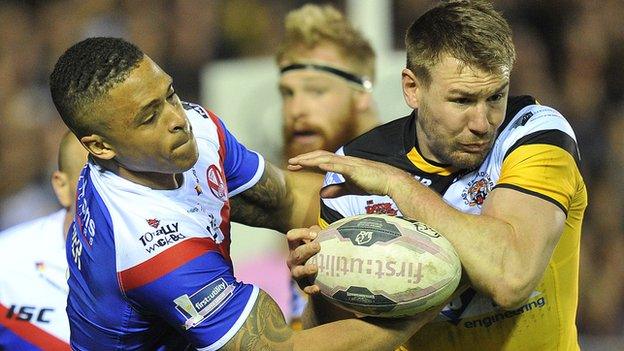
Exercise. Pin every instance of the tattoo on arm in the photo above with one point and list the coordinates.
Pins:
(266, 203)
(264, 329)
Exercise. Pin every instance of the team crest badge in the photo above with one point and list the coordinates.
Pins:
(477, 190)
(216, 182)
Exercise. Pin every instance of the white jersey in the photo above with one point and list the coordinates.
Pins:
(33, 286)
(151, 268)
(534, 153)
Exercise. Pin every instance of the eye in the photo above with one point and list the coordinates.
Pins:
(496, 97)
(172, 97)
(316, 90)
(461, 101)
(151, 118)
(285, 92)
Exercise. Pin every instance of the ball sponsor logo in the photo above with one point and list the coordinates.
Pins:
(337, 266)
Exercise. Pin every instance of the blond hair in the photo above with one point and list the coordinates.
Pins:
(471, 31)
(312, 25)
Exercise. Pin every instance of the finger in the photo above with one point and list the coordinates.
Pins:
(308, 155)
(342, 189)
(302, 253)
(299, 236)
(318, 157)
(312, 289)
(294, 167)
(308, 271)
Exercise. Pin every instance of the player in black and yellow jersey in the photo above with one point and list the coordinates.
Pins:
(497, 175)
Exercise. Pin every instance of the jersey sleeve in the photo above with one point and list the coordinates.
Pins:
(332, 209)
(335, 208)
(543, 164)
(242, 167)
(197, 294)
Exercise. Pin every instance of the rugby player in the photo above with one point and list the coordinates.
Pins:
(33, 287)
(498, 176)
(148, 250)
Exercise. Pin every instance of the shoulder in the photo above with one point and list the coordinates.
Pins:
(391, 138)
(532, 123)
(33, 230)
(206, 124)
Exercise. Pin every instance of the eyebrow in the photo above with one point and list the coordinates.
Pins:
(472, 95)
(150, 105)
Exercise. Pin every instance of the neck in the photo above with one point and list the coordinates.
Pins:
(423, 147)
(367, 121)
(69, 217)
(153, 180)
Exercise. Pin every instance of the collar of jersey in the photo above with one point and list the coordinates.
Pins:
(428, 166)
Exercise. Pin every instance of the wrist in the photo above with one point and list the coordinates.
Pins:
(399, 183)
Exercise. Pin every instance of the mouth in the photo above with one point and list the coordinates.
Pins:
(476, 148)
(183, 141)
(305, 137)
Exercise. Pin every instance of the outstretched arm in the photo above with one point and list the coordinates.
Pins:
(504, 250)
(266, 329)
(280, 200)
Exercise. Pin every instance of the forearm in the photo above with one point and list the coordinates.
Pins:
(281, 200)
(358, 334)
(319, 311)
(488, 247)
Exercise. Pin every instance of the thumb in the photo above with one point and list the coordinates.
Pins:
(342, 189)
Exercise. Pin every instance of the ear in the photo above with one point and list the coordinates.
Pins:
(97, 147)
(60, 184)
(411, 88)
(363, 101)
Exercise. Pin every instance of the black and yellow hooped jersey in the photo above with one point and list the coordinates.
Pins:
(535, 153)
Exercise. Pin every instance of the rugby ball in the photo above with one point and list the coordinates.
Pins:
(384, 266)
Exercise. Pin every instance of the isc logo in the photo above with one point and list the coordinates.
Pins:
(29, 313)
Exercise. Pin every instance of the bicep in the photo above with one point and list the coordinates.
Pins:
(534, 192)
(260, 205)
(537, 224)
(264, 328)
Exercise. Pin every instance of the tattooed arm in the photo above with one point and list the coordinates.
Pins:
(281, 200)
(265, 329)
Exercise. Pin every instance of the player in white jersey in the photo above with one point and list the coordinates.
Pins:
(33, 284)
(148, 250)
(498, 176)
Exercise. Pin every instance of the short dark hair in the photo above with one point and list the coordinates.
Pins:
(86, 72)
(471, 31)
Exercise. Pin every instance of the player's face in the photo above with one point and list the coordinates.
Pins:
(318, 108)
(459, 113)
(146, 124)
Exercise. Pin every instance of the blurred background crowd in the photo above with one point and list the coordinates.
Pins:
(569, 57)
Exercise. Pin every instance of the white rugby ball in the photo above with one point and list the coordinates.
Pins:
(383, 266)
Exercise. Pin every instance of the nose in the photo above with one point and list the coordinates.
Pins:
(177, 119)
(478, 119)
(296, 107)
